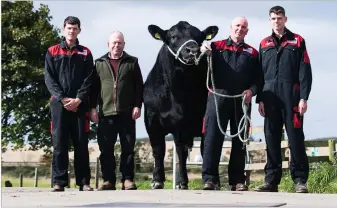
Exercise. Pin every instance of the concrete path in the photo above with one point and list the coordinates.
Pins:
(42, 197)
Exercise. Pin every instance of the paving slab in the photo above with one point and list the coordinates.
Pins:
(43, 197)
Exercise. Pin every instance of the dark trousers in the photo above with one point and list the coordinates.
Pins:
(66, 125)
(279, 111)
(229, 110)
(108, 129)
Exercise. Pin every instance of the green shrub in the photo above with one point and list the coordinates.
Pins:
(322, 179)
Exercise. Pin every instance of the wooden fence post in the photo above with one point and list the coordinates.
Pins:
(97, 173)
(283, 151)
(36, 178)
(21, 180)
(69, 179)
(51, 176)
(332, 149)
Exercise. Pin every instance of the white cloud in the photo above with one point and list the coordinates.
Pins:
(101, 18)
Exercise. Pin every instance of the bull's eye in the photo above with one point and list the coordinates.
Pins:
(174, 37)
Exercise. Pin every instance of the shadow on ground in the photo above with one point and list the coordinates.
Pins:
(135, 204)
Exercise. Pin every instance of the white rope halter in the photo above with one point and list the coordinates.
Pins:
(176, 55)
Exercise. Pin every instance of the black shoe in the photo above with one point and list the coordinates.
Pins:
(241, 187)
(107, 186)
(129, 185)
(301, 188)
(182, 186)
(209, 185)
(267, 188)
(157, 185)
(58, 188)
(85, 188)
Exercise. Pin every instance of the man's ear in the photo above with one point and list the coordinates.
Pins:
(210, 32)
(157, 32)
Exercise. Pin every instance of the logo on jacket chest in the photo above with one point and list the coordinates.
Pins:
(84, 52)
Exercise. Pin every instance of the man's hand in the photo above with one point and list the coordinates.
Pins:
(249, 95)
(205, 48)
(136, 113)
(72, 104)
(94, 115)
(261, 109)
(74, 110)
(65, 100)
(302, 107)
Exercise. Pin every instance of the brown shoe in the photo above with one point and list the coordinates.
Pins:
(86, 188)
(129, 185)
(241, 187)
(57, 188)
(107, 186)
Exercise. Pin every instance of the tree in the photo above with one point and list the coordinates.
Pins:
(26, 35)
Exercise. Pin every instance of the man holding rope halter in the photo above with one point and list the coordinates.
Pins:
(235, 78)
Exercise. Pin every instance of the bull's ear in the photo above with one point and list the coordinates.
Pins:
(210, 32)
(157, 32)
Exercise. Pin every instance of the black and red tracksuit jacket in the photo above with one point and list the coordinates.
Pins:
(68, 71)
(235, 67)
(286, 67)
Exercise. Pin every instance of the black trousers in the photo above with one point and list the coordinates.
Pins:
(279, 110)
(68, 125)
(229, 110)
(108, 129)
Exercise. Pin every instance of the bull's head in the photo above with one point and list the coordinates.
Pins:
(184, 40)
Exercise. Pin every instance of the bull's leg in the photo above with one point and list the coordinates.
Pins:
(157, 141)
(182, 146)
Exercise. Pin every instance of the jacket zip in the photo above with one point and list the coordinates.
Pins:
(69, 72)
(70, 53)
(117, 76)
(114, 91)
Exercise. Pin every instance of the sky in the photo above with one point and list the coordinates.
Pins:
(313, 20)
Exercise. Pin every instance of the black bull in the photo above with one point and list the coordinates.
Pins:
(175, 94)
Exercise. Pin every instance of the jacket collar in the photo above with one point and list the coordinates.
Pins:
(64, 45)
(124, 56)
(287, 33)
(230, 41)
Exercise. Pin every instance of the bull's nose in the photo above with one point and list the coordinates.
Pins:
(192, 50)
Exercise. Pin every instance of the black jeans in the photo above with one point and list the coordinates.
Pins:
(66, 125)
(108, 129)
(229, 110)
(279, 111)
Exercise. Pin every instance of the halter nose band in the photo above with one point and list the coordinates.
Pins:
(176, 55)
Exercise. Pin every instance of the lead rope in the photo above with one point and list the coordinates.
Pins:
(244, 121)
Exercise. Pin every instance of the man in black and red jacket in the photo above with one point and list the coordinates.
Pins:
(68, 71)
(236, 71)
(283, 100)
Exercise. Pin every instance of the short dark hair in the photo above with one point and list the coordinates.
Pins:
(72, 21)
(277, 10)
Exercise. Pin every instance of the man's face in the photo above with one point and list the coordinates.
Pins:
(71, 31)
(116, 44)
(277, 21)
(239, 29)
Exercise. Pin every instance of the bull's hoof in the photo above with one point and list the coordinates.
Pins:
(157, 185)
(182, 186)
